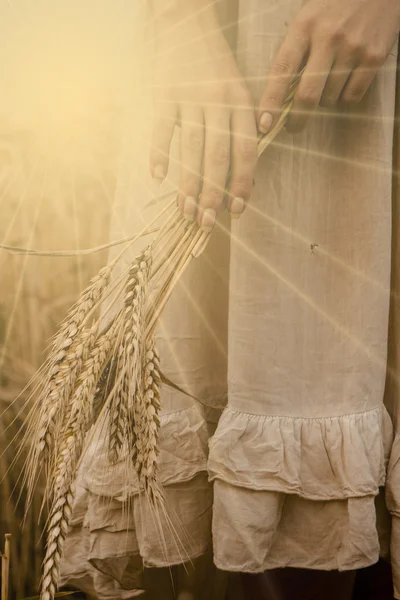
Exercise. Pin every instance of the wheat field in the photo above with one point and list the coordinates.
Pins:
(40, 210)
(64, 76)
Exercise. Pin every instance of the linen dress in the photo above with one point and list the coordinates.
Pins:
(300, 452)
(288, 317)
(114, 533)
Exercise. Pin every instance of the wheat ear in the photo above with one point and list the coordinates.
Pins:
(128, 355)
(147, 422)
(70, 347)
(68, 454)
(53, 404)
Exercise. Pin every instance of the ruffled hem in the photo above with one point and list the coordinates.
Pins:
(258, 530)
(119, 539)
(183, 453)
(78, 571)
(318, 459)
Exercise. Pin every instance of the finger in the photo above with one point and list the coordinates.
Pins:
(287, 64)
(216, 167)
(310, 88)
(337, 80)
(357, 84)
(243, 159)
(191, 155)
(163, 131)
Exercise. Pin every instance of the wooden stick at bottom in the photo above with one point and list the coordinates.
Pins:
(5, 567)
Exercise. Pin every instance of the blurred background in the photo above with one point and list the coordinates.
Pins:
(66, 80)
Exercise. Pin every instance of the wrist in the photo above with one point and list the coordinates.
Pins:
(169, 12)
(190, 27)
(176, 17)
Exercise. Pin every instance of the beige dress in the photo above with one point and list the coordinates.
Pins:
(115, 534)
(301, 450)
(289, 316)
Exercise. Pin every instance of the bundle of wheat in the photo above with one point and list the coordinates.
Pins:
(94, 371)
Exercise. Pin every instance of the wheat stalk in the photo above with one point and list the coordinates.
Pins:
(58, 526)
(129, 351)
(118, 420)
(64, 370)
(62, 480)
(147, 420)
(114, 373)
(69, 349)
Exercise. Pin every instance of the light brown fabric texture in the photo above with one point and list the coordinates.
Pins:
(305, 432)
(288, 318)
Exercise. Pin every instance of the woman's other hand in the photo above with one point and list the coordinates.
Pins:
(198, 86)
(341, 44)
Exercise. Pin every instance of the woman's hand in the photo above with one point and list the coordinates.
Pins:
(341, 44)
(199, 87)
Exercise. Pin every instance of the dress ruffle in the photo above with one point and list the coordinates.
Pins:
(258, 530)
(183, 453)
(298, 492)
(115, 533)
(77, 568)
(318, 459)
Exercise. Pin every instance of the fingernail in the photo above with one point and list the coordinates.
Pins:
(159, 172)
(265, 122)
(189, 208)
(237, 207)
(208, 220)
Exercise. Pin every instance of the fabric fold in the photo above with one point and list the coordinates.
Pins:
(183, 454)
(78, 569)
(258, 530)
(318, 459)
(115, 528)
(298, 492)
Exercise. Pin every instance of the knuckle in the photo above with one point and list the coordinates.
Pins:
(305, 21)
(352, 96)
(219, 154)
(281, 69)
(248, 152)
(308, 95)
(241, 186)
(190, 184)
(336, 34)
(193, 139)
(212, 197)
(332, 32)
(354, 47)
(374, 57)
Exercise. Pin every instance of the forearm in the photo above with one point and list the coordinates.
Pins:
(174, 18)
(186, 26)
(175, 11)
